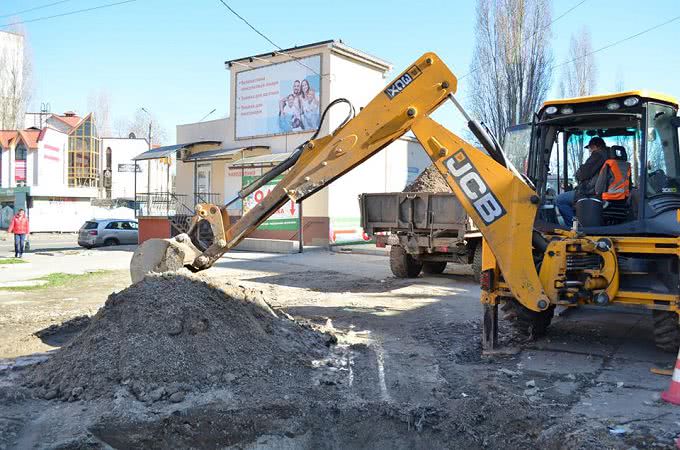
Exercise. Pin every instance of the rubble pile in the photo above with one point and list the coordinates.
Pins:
(173, 334)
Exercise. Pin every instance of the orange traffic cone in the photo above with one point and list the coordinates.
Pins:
(672, 395)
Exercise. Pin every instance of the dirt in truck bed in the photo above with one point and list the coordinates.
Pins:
(430, 180)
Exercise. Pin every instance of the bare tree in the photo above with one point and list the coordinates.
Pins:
(140, 126)
(579, 76)
(15, 78)
(99, 103)
(511, 61)
(121, 127)
(579, 79)
(619, 83)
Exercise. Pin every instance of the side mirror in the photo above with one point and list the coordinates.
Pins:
(675, 121)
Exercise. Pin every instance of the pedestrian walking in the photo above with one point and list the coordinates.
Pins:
(19, 226)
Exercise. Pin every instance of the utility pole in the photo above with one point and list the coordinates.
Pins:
(148, 161)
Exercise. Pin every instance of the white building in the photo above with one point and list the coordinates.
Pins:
(263, 128)
(56, 172)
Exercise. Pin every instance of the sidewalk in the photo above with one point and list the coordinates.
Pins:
(72, 262)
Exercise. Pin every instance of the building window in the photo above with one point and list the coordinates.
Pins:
(20, 154)
(83, 156)
(108, 158)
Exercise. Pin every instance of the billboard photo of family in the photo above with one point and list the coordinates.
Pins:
(279, 99)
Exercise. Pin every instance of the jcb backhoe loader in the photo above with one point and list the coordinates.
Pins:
(622, 249)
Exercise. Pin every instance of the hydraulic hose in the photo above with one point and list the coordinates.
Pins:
(293, 158)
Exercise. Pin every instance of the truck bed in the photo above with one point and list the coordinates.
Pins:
(412, 212)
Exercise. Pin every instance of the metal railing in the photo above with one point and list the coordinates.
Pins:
(164, 204)
(207, 197)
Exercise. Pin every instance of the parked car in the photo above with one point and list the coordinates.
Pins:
(107, 232)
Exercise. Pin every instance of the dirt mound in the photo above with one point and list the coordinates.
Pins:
(430, 180)
(172, 334)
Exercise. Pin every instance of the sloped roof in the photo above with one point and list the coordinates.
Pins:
(6, 137)
(71, 121)
(30, 137)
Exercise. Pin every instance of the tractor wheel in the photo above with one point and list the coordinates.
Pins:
(526, 321)
(434, 267)
(666, 330)
(402, 264)
(477, 262)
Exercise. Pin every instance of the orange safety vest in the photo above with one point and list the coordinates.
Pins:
(618, 180)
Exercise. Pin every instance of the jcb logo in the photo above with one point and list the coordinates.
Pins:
(475, 189)
(402, 82)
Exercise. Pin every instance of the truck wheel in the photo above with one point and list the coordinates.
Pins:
(434, 267)
(666, 330)
(477, 262)
(402, 264)
(526, 321)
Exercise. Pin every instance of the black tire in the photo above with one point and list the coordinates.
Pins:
(434, 267)
(666, 330)
(108, 242)
(477, 262)
(525, 321)
(402, 264)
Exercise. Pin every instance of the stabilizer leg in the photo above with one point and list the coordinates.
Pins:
(490, 327)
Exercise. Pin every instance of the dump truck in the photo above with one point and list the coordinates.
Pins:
(424, 230)
(622, 249)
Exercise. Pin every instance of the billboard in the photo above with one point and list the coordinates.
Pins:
(278, 99)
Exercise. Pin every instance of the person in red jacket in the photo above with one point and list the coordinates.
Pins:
(19, 226)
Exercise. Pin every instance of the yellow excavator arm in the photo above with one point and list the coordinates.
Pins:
(497, 199)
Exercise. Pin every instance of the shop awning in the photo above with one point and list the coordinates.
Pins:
(261, 161)
(169, 150)
(223, 154)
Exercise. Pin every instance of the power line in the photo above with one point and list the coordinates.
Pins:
(628, 38)
(281, 52)
(68, 13)
(34, 9)
(535, 33)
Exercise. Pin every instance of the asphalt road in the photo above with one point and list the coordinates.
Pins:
(38, 244)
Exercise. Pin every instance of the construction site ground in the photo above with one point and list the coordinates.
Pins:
(411, 373)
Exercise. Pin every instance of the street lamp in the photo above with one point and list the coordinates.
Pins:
(148, 163)
(150, 122)
(207, 115)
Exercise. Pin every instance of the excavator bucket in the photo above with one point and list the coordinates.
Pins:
(162, 255)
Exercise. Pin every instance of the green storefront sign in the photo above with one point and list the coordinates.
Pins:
(9, 192)
(285, 218)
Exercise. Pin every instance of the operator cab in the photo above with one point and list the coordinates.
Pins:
(637, 190)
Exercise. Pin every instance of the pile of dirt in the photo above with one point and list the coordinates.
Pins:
(430, 180)
(173, 334)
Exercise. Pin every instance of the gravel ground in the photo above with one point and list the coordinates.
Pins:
(406, 372)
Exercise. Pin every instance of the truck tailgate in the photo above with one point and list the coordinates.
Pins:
(411, 211)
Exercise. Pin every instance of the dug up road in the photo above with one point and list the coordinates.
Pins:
(407, 371)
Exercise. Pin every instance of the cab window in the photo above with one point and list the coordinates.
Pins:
(663, 161)
(516, 146)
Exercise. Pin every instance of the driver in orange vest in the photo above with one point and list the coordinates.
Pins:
(586, 175)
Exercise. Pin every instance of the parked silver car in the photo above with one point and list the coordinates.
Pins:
(97, 232)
